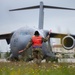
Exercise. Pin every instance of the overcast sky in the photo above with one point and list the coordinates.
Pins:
(57, 20)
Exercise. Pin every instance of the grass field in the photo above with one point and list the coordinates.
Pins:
(22, 68)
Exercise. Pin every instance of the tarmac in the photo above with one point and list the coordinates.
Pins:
(4, 60)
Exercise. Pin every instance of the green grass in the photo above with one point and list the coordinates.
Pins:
(22, 68)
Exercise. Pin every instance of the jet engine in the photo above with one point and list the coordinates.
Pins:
(68, 42)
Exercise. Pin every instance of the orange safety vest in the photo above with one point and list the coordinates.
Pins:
(37, 41)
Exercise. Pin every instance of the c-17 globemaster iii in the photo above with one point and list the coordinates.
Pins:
(18, 39)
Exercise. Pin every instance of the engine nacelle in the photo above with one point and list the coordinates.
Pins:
(68, 42)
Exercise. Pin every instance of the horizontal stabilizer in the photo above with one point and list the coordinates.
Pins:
(44, 6)
(55, 7)
(25, 8)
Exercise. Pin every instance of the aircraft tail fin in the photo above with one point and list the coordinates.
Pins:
(41, 15)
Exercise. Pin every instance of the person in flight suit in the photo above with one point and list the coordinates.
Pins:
(36, 43)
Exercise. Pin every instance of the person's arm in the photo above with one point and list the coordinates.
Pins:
(28, 45)
(46, 39)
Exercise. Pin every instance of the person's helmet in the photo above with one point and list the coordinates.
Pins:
(36, 33)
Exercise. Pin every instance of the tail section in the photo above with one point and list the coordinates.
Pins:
(41, 15)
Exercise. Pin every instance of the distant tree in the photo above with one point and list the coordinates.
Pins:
(0, 54)
(63, 55)
(7, 54)
(74, 55)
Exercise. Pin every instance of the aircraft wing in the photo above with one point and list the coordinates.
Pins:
(60, 35)
(67, 40)
(6, 36)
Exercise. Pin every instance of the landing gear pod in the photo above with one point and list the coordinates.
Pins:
(68, 42)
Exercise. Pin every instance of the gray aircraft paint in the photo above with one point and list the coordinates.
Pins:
(41, 16)
(21, 37)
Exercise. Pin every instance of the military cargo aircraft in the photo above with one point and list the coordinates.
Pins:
(18, 39)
